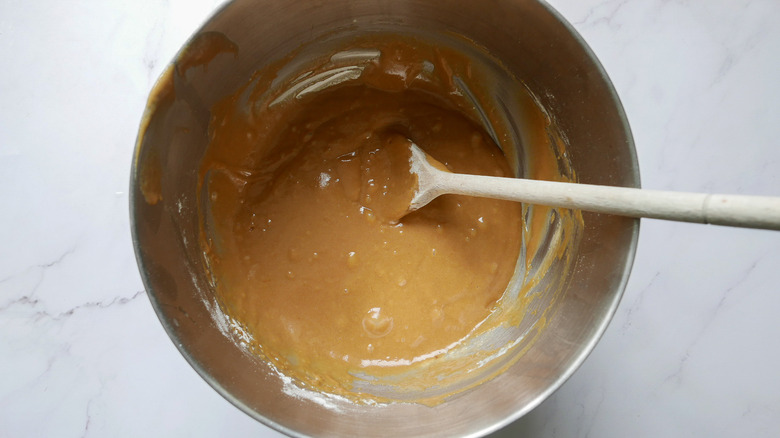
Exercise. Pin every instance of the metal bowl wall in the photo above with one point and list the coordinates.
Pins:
(539, 48)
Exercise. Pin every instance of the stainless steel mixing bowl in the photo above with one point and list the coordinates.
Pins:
(535, 44)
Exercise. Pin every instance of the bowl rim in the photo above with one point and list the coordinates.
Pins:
(587, 348)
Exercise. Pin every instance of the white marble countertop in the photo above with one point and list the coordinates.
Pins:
(692, 351)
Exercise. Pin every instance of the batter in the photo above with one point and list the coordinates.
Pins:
(305, 240)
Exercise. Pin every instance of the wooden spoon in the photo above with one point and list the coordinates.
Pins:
(730, 210)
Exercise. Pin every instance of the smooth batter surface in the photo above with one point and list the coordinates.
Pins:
(303, 237)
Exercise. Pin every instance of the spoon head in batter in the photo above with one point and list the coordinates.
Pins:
(388, 181)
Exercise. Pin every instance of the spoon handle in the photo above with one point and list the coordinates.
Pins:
(730, 210)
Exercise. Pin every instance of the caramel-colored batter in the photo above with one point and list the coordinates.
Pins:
(302, 230)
